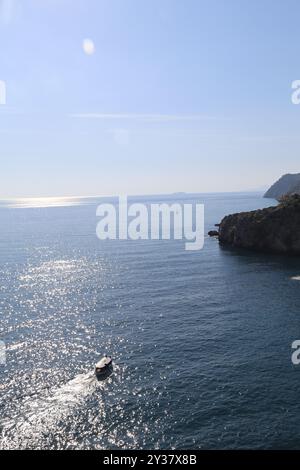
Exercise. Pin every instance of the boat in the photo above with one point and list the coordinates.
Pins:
(103, 367)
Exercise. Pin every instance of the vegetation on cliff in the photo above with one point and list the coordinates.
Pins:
(275, 229)
(287, 185)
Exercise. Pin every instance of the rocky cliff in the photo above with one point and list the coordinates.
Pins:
(286, 185)
(273, 230)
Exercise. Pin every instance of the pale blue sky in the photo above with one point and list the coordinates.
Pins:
(180, 95)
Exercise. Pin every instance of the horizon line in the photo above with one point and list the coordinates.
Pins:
(21, 198)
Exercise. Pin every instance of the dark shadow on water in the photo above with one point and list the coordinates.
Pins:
(275, 260)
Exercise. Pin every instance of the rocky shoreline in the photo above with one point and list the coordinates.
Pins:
(272, 230)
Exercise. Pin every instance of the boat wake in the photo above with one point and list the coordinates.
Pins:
(28, 428)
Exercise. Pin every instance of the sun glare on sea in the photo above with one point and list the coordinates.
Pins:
(39, 202)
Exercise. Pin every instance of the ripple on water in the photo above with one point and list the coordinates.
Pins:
(62, 315)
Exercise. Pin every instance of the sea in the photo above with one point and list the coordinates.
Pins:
(201, 340)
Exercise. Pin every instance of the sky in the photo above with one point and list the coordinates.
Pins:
(107, 97)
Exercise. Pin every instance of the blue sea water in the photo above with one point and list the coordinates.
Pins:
(201, 340)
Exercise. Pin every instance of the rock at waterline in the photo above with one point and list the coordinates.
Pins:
(213, 233)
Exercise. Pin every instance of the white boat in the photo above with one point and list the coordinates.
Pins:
(103, 367)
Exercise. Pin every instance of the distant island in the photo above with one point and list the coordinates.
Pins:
(272, 230)
(287, 185)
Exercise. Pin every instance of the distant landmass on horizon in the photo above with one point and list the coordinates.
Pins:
(288, 184)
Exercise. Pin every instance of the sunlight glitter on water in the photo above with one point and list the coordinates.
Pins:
(66, 300)
(40, 202)
(44, 413)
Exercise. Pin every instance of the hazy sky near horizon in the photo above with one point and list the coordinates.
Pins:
(168, 95)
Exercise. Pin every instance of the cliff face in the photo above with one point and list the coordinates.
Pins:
(286, 185)
(273, 230)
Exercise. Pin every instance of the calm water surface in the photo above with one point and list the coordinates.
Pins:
(201, 340)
